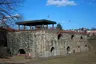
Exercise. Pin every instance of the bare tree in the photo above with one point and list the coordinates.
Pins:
(7, 7)
(6, 14)
(13, 19)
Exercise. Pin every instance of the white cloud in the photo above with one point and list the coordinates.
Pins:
(61, 2)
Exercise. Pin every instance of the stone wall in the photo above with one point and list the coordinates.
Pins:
(38, 43)
(45, 43)
(3, 37)
(78, 43)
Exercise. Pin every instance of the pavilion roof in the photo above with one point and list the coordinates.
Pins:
(36, 22)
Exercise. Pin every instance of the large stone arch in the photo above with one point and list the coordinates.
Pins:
(21, 51)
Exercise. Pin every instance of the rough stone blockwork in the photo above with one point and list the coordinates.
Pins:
(46, 43)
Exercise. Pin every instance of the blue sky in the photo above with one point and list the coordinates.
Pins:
(70, 14)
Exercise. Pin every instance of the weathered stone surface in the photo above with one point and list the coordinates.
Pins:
(45, 43)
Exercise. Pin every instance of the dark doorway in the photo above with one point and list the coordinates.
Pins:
(68, 49)
(52, 48)
(21, 51)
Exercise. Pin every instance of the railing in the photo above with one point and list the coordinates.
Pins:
(36, 29)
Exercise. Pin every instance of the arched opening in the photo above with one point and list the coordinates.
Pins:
(81, 37)
(68, 49)
(72, 36)
(78, 46)
(21, 51)
(52, 48)
(85, 45)
(59, 36)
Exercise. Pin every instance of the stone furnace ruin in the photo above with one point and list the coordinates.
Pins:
(40, 40)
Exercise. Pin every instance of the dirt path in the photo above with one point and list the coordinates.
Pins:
(78, 58)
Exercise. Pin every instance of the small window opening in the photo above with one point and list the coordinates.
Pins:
(81, 37)
(72, 36)
(78, 46)
(59, 36)
(21, 51)
(85, 45)
(68, 48)
(52, 49)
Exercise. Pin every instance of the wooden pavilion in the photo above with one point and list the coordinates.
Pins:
(37, 24)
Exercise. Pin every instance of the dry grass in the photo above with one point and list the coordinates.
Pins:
(78, 58)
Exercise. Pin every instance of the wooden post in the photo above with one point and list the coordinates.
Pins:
(30, 27)
(35, 27)
(19, 27)
(43, 26)
(47, 26)
(24, 27)
(52, 26)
